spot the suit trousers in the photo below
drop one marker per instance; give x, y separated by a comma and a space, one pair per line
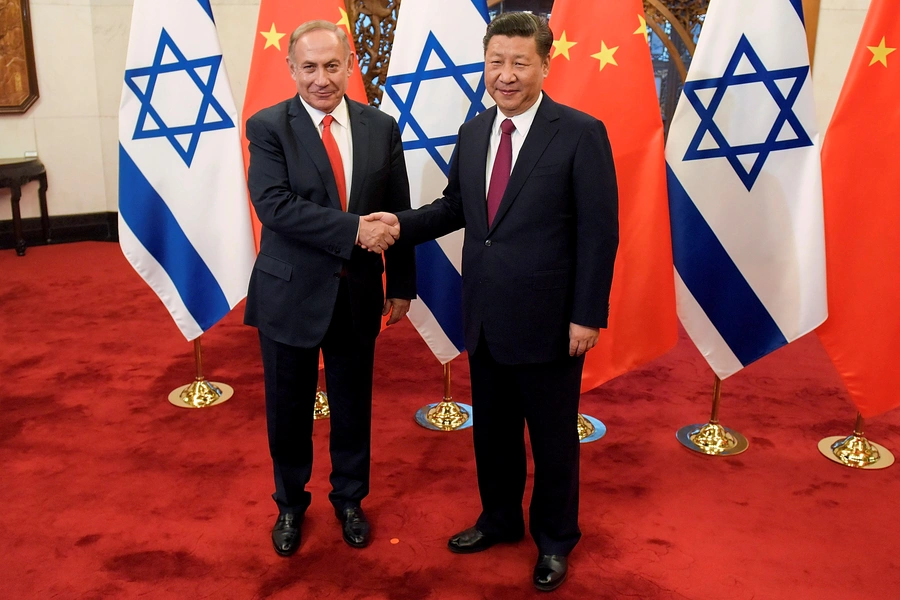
545, 397
291, 375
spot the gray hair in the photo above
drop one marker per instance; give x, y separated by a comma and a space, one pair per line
316, 25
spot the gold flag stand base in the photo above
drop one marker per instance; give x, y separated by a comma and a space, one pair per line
445, 415
201, 393
711, 438
590, 429
855, 450
321, 409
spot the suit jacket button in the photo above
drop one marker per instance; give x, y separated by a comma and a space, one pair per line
337, 275
487, 243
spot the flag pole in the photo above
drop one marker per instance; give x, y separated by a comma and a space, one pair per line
445, 415
321, 410
201, 393
712, 439
855, 450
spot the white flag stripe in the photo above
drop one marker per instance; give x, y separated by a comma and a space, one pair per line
430, 330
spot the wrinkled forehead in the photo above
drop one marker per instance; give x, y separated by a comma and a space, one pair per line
319, 46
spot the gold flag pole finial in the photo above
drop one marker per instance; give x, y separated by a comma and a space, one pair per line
712, 439
200, 393
445, 415
855, 450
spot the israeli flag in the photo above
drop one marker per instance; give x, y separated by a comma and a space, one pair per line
184, 220
745, 186
435, 83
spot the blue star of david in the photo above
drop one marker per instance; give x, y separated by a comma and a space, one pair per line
415, 79
150, 123
786, 113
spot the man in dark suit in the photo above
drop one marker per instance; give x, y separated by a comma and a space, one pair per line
318, 161
540, 243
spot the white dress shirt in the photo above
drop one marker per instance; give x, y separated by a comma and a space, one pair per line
340, 129
523, 124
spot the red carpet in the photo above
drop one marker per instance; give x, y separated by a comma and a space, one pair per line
108, 491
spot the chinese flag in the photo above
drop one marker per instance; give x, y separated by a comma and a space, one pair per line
601, 65
862, 217
270, 80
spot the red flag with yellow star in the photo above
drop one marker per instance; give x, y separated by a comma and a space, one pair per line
601, 65
270, 81
861, 186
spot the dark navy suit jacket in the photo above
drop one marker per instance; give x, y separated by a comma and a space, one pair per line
547, 259
308, 242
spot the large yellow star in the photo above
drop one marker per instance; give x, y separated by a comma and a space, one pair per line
880, 53
561, 47
345, 20
273, 38
642, 30
605, 56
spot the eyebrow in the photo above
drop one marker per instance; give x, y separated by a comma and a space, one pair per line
495, 53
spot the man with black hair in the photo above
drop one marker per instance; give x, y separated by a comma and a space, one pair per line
534, 185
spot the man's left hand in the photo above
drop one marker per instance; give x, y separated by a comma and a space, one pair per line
581, 339
397, 308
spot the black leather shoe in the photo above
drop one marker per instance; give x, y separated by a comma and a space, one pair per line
286, 533
355, 526
474, 540
550, 572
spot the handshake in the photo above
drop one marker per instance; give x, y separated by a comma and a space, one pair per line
378, 231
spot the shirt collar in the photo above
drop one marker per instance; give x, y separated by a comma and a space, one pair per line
522, 122
340, 113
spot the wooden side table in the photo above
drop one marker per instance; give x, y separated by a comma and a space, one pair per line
14, 173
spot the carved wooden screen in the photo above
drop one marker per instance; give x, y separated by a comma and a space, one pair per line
374, 33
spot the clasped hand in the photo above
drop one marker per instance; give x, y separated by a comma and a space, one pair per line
378, 231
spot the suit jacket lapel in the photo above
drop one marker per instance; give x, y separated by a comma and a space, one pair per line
311, 142
481, 140
543, 129
359, 133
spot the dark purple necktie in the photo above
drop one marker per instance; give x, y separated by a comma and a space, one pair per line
500, 172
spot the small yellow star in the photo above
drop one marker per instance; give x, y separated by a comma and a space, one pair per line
345, 20
605, 56
273, 38
642, 30
880, 53
561, 47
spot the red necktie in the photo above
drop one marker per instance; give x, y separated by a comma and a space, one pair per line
501, 170
334, 157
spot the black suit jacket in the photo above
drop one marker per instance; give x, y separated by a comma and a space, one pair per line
547, 259
307, 241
